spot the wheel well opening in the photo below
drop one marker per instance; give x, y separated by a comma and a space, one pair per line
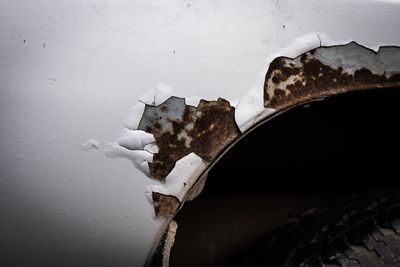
305, 157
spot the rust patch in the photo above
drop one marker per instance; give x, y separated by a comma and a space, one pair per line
164, 108
292, 81
180, 129
164, 205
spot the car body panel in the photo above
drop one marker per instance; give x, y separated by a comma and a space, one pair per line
71, 71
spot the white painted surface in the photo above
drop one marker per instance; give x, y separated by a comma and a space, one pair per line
182, 178
135, 139
71, 71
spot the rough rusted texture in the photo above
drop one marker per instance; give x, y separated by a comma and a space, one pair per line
292, 81
164, 205
180, 129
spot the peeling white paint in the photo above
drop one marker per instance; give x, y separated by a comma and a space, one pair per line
144, 167
134, 116
114, 150
139, 158
135, 139
300, 45
248, 108
137, 146
249, 111
159, 188
152, 148
182, 177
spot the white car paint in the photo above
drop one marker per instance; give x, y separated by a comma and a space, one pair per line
70, 71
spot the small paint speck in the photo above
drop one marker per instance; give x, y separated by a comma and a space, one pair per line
44, 45
24, 41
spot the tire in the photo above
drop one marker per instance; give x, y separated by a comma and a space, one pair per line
363, 232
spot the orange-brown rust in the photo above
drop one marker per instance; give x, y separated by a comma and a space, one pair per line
204, 130
289, 83
164, 205
215, 126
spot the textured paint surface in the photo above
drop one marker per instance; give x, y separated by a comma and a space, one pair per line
329, 70
180, 129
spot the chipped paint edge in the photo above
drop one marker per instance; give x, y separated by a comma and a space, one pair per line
250, 113
252, 122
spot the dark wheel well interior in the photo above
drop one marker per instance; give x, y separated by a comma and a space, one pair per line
302, 158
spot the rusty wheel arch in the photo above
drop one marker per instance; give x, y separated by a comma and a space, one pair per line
314, 87
311, 76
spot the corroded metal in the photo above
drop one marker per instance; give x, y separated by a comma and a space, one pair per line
164, 205
180, 129
326, 71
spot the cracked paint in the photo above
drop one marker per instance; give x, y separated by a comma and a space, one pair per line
326, 71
